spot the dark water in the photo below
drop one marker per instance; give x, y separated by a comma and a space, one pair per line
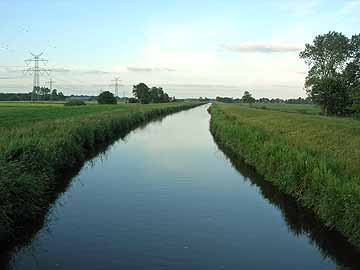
166, 197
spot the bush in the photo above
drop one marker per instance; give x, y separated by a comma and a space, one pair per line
75, 103
133, 100
106, 98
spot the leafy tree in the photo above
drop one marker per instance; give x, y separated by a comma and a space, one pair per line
54, 95
107, 98
332, 61
61, 96
142, 93
247, 98
146, 95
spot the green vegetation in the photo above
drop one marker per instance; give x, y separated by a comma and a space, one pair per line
291, 108
247, 98
106, 98
75, 103
316, 159
333, 80
38, 143
146, 95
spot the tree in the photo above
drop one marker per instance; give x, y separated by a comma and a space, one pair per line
142, 93
54, 95
247, 98
146, 95
107, 98
327, 58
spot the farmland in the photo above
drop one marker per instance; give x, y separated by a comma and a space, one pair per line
314, 158
291, 108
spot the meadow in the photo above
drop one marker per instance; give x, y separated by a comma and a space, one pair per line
39, 142
314, 158
291, 108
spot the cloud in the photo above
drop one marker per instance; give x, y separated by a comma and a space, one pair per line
96, 72
263, 48
60, 70
145, 69
10, 78
350, 7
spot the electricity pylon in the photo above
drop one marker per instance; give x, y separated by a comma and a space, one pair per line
116, 81
36, 70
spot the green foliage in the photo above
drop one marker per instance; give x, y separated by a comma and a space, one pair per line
142, 93
150, 95
106, 98
132, 100
315, 159
291, 108
75, 103
334, 71
247, 98
39, 142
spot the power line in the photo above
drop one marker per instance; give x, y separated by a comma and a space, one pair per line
36, 70
116, 84
51, 82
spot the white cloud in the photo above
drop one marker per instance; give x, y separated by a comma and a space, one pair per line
263, 47
148, 69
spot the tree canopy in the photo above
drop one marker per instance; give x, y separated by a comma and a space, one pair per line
106, 98
247, 98
144, 94
334, 77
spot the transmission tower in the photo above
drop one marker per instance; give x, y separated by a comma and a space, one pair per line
51, 82
116, 81
36, 70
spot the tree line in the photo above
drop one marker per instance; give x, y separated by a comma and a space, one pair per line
249, 99
42, 93
333, 80
144, 94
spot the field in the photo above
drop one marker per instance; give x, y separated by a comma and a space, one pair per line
39, 142
314, 158
291, 108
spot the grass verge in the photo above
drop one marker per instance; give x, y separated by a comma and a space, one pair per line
315, 159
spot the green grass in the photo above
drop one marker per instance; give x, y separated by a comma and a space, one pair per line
316, 159
39, 142
291, 108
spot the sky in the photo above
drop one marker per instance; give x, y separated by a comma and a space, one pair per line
190, 48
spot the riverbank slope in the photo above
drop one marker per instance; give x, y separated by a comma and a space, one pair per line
38, 143
315, 159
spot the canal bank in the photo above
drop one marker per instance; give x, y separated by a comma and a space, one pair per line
167, 197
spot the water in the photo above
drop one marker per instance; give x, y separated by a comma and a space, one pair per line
166, 197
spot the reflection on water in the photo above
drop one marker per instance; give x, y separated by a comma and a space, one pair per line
166, 197
301, 221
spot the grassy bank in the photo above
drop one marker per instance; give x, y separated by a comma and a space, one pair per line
316, 159
39, 143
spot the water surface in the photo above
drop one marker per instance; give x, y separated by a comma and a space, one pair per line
166, 197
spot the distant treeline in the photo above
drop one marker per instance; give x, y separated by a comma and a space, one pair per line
43, 93
249, 99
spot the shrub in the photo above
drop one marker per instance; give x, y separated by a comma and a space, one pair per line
75, 103
106, 98
133, 100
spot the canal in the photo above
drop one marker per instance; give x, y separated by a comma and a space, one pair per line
167, 197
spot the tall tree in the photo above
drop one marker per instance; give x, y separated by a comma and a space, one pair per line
247, 98
142, 93
327, 57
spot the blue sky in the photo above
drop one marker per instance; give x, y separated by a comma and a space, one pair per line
191, 48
